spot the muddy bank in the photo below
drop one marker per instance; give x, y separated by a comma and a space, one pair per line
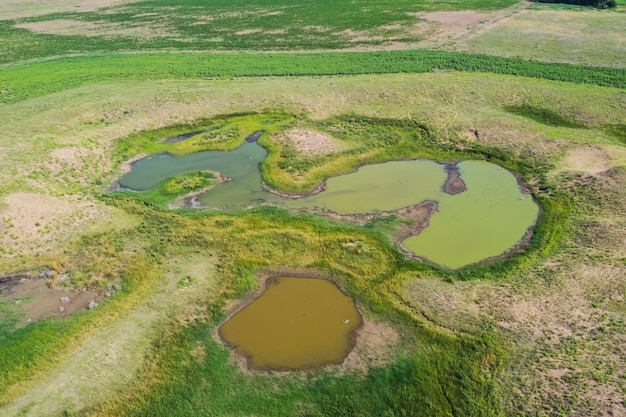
294, 323
254, 136
183, 137
9, 284
34, 298
523, 186
454, 183
413, 218
371, 345
294, 196
125, 168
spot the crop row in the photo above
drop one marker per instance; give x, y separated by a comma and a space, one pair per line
31, 80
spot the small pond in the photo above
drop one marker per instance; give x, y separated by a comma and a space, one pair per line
488, 218
296, 323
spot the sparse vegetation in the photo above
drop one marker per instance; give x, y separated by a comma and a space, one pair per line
86, 86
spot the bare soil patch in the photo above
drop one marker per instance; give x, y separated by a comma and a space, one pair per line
36, 299
182, 138
248, 32
101, 28
310, 142
593, 159
413, 220
374, 346
357, 36
454, 183
448, 28
374, 342
467, 17
34, 223
471, 135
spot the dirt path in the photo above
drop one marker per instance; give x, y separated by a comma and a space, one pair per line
453, 28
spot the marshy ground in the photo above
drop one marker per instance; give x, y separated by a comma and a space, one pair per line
541, 333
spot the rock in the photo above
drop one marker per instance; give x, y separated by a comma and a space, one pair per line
107, 294
47, 273
92, 305
117, 287
61, 309
64, 299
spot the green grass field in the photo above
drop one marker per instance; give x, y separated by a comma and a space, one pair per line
86, 86
220, 25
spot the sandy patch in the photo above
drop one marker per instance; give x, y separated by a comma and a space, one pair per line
320, 29
32, 223
470, 135
451, 27
276, 32
558, 373
310, 142
70, 27
241, 14
74, 164
463, 18
374, 345
248, 32
593, 159
356, 36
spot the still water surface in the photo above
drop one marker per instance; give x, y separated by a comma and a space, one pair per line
488, 218
296, 323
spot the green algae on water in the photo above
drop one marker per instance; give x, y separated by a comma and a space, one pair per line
491, 216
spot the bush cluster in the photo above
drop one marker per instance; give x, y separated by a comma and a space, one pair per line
601, 4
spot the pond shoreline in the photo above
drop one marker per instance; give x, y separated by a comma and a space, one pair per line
266, 279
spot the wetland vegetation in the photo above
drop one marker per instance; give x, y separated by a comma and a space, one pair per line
389, 145
487, 219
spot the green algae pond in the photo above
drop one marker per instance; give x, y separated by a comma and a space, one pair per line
489, 217
296, 323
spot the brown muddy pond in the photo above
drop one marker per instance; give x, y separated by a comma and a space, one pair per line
296, 323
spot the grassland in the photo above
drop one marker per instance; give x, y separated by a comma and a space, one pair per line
539, 334
557, 36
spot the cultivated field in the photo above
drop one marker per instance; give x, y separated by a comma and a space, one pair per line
88, 86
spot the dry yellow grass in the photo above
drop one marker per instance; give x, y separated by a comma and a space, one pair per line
589, 37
